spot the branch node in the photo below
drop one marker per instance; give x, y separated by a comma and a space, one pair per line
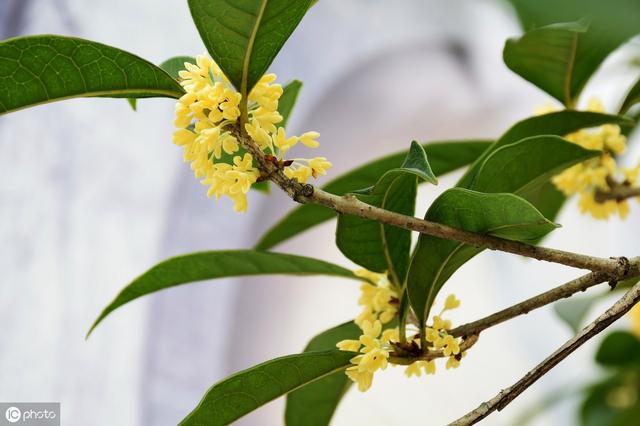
302, 191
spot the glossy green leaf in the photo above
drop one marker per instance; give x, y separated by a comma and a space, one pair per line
547, 57
40, 69
610, 24
547, 199
632, 98
288, 100
612, 401
315, 403
435, 260
618, 349
247, 390
502, 171
444, 157
556, 123
574, 310
518, 168
173, 66
219, 264
244, 36
378, 247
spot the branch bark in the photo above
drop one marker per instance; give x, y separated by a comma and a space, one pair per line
561, 292
617, 192
616, 268
505, 396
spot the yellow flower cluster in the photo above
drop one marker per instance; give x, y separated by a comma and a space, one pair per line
376, 299
207, 118
374, 346
437, 335
595, 174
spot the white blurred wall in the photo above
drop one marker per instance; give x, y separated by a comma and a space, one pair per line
92, 194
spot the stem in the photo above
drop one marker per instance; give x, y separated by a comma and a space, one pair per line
618, 192
617, 268
505, 396
561, 292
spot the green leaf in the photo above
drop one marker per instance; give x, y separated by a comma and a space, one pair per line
324, 394
173, 66
619, 348
219, 264
518, 168
502, 171
288, 100
244, 36
247, 390
444, 157
435, 260
611, 23
40, 69
556, 123
632, 98
612, 402
547, 199
380, 247
547, 57
574, 310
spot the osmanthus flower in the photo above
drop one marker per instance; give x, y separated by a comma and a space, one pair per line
376, 300
587, 178
375, 345
207, 116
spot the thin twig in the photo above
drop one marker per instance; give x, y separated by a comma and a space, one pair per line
505, 396
561, 292
617, 192
348, 204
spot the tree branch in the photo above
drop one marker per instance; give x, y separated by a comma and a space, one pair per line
505, 396
616, 268
561, 292
617, 192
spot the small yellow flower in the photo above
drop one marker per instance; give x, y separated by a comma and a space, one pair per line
284, 143
431, 334
371, 329
390, 335
414, 369
349, 345
319, 165
451, 302
375, 299
362, 378
452, 362
441, 324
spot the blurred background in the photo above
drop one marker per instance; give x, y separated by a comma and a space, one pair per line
92, 194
